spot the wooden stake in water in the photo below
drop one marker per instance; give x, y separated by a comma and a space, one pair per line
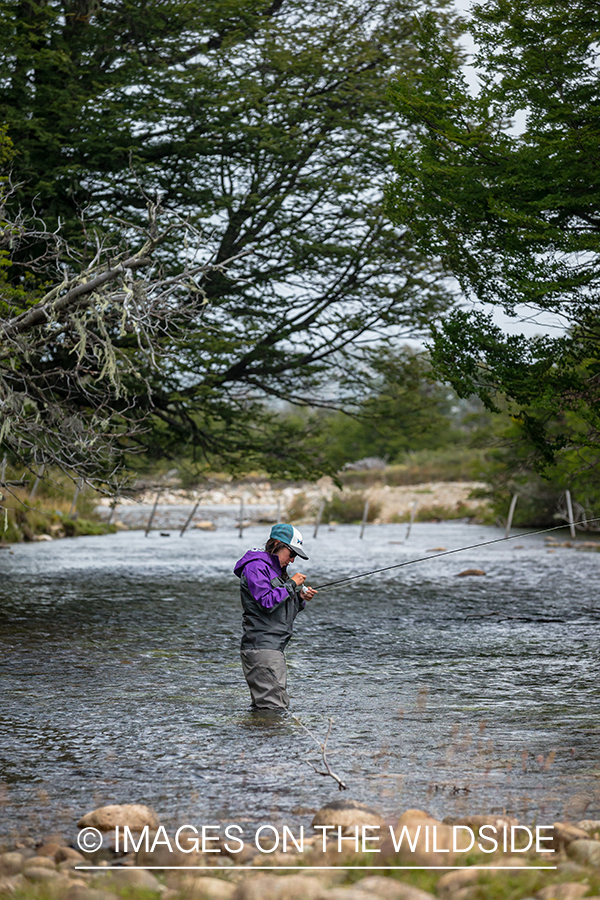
364, 519
511, 513
76, 493
150, 520
242, 517
570, 513
190, 517
413, 513
319, 517
3, 470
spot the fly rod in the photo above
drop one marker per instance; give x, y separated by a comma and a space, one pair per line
411, 562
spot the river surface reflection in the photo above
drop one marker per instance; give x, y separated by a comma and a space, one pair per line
121, 680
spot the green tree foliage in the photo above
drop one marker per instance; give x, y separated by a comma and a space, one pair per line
402, 409
5, 146
513, 210
262, 126
508, 469
6, 152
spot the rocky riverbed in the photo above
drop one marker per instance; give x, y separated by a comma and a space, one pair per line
349, 852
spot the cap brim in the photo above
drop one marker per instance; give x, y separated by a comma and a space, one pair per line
297, 552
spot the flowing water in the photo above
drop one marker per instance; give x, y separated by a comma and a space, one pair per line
121, 680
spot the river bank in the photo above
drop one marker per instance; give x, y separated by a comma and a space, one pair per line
347, 852
260, 501
38, 519
223, 503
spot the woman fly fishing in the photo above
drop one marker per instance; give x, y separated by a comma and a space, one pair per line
271, 600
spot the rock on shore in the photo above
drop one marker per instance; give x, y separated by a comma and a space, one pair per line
105, 818
48, 871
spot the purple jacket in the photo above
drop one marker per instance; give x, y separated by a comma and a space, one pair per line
260, 569
270, 601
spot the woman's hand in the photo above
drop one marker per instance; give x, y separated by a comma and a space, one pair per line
308, 593
298, 578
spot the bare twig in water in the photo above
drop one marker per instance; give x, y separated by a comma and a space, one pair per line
329, 773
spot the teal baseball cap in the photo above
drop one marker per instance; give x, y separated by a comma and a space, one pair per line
289, 536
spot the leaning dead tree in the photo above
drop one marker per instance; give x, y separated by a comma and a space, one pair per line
80, 355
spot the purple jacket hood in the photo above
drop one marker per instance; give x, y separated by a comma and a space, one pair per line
272, 561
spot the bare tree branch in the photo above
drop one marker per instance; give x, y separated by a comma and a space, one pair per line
77, 366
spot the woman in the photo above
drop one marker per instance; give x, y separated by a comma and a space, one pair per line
271, 600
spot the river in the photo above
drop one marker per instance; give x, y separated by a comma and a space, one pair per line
122, 683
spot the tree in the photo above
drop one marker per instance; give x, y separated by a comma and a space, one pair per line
5, 146
401, 409
80, 362
542, 501
69, 355
513, 212
258, 124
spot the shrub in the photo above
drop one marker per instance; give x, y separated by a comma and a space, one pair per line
348, 508
450, 464
298, 508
